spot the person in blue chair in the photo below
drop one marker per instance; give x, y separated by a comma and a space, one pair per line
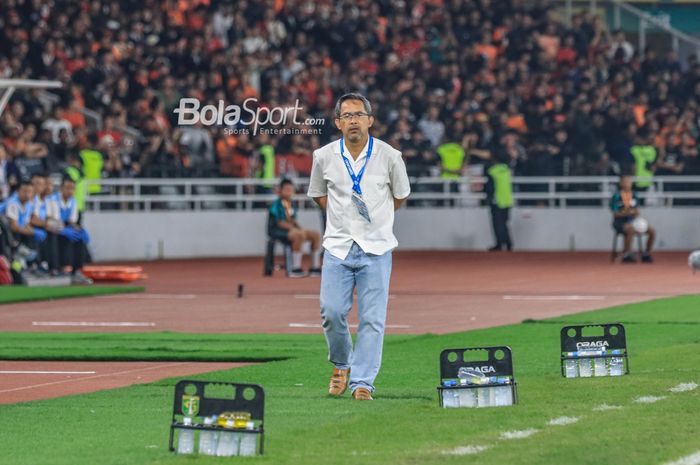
62, 219
284, 226
626, 221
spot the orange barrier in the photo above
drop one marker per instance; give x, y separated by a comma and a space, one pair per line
124, 274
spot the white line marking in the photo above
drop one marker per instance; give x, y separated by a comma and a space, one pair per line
30, 372
554, 297
466, 450
93, 323
684, 387
149, 296
318, 325
561, 421
156, 367
692, 459
648, 399
526, 433
606, 407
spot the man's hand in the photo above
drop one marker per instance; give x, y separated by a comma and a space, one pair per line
321, 202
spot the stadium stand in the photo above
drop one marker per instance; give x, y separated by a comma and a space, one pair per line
461, 72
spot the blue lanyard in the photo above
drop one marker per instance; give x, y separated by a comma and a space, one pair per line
356, 178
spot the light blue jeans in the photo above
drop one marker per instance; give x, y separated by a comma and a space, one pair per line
370, 274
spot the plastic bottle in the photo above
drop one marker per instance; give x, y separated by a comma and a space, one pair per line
503, 394
467, 398
468, 375
208, 439
185, 439
570, 370
249, 441
450, 398
228, 441
600, 367
616, 365
484, 397
584, 365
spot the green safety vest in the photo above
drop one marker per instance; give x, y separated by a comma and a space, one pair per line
502, 186
77, 176
452, 158
268, 168
644, 156
92, 167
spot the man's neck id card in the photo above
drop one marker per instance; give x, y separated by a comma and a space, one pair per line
361, 206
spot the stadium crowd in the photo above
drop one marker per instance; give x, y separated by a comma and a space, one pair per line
448, 78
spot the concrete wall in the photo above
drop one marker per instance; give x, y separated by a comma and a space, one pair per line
144, 236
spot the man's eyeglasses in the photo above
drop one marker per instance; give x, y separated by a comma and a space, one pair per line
350, 116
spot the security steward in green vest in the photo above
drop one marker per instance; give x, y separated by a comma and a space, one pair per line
644, 154
499, 195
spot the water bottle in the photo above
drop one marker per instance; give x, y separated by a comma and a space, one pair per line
185, 440
503, 393
484, 397
599, 367
249, 441
450, 398
467, 398
208, 439
468, 375
228, 441
616, 366
584, 366
570, 368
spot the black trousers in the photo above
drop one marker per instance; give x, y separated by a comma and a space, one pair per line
499, 220
69, 253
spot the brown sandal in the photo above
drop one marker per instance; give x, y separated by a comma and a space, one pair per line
339, 382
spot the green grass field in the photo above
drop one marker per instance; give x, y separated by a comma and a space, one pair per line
404, 424
13, 294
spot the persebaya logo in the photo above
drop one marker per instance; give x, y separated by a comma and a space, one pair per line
190, 405
247, 115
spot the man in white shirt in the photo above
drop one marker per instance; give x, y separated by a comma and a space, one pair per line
359, 181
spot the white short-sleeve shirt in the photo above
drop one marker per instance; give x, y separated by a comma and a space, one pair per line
384, 179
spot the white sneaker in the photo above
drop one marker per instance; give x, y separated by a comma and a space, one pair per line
79, 278
297, 273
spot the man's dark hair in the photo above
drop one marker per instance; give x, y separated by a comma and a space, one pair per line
284, 182
66, 179
24, 182
40, 174
353, 96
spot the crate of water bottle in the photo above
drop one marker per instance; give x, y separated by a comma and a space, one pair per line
220, 436
217, 419
477, 377
594, 350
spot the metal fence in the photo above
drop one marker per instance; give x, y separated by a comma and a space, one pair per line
208, 194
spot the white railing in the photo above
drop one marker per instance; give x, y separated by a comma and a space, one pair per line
184, 194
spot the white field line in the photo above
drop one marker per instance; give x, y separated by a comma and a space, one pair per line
648, 399
125, 372
94, 323
518, 434
466, 450
692, 459
554, 297
606, 407
36, 372
561, 421
148, 296
684, 387
318, 325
